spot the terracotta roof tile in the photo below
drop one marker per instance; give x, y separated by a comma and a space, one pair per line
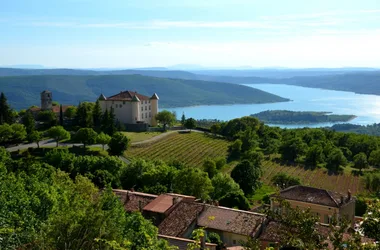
180, 219
127, 96
231, 220
161, 204
315, 196
131, 200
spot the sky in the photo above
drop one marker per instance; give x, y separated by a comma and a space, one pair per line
212, 33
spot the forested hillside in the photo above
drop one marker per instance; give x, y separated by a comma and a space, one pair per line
24, 91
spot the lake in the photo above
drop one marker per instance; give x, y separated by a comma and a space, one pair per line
365, 107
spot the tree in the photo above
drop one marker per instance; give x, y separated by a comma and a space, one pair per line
118, 144
315, 155
215, 128
335, 160
103, 139
193, 181
291, 149
283, 180
166, 118
190, 123
18, 132
28, 121
71, 112
209, 167
97, 114
371, 222
183, 119
108, 123
48, 117
374, 158
5, 110
6, 133
58, 133
60, 115
247, 175
84, 115
86, 136
235, 149
297, 227
360, 161
35, 136
235, 199
223, 184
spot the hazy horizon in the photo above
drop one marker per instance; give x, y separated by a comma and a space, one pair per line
85, 34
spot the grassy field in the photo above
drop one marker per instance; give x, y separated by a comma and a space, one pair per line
140, 136
191, 148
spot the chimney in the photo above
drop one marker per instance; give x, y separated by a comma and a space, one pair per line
348, 195
175, 200
203, 242
140, 206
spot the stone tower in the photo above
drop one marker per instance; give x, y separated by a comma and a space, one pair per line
46, 100
135, 109
154, 104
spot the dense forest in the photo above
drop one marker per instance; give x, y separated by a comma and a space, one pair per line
299, 117
24, 91
372, 129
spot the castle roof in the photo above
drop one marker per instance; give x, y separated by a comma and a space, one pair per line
127, 96
135, 99
102, 97
45, 91
154, 97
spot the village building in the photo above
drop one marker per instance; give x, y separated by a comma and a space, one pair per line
47, 104
176, 216
327, 205
131, 107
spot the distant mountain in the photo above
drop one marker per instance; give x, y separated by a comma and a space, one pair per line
24, 91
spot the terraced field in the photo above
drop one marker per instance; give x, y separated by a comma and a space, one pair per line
191, 148
316, 178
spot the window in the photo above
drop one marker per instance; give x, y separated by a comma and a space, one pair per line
327, 219
142, 108
145, 108
142, 116
112, 102
146, 115
146, 102
234, 242
149, 107
150, 114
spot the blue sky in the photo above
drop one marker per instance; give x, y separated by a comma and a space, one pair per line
223, 33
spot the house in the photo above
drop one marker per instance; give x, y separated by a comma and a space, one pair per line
47, 104
131, 107
182, 243
176, 216
325, 204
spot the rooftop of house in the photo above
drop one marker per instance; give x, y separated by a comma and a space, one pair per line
180, 218
128, 96
181, 243
134, 201
316, 196
165, 201
55, 109
230, 220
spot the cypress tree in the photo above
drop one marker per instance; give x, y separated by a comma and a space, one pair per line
28, 121
112, 122
96, 115
60, 115
5, 110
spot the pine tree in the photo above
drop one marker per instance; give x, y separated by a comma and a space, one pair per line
5, 111
183, 119
112, 122
96, 115
84, 116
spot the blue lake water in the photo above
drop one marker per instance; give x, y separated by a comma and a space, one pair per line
365, 107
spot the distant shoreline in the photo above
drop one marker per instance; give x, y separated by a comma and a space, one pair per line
286, 117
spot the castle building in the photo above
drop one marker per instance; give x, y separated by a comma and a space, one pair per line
131, 107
